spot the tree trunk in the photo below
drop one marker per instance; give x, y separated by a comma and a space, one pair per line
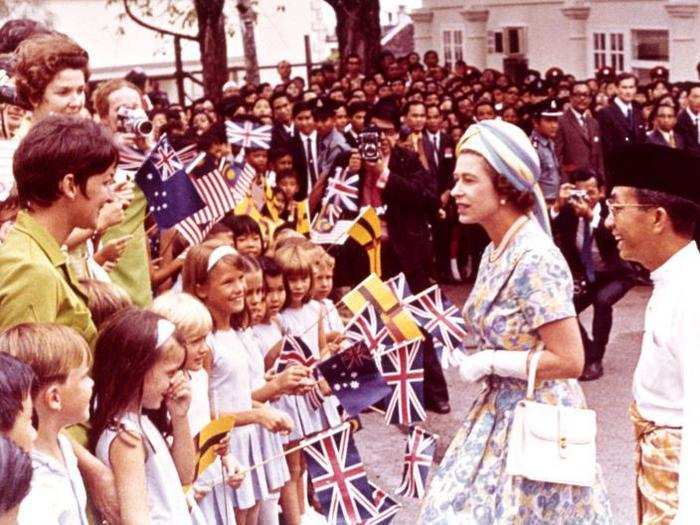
212, 46
358, 30
247, 15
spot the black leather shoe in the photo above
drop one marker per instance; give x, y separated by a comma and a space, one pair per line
439, 407
592, 371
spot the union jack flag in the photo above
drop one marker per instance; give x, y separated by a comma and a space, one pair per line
294, 350
339, 479
442, 320
218, 199
367, 327
131, 159
342, 193
386, 507
420, 449
248, 134
400, 287
402, 369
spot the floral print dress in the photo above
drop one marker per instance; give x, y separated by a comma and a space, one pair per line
526, 286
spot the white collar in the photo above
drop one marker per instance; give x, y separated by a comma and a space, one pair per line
677, 265
624, 107
578, 115
692, 115
433, 136
305, 138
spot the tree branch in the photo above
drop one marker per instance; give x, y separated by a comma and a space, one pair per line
152, 27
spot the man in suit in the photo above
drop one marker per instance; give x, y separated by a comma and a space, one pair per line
601, 277
688, 126
577, 142
621, 122
356, 111
440, 149
304, 147
283, 127
401, 184
664, 117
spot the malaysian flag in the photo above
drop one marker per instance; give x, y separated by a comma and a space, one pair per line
339, 479
420, 449
240, 177
249, 134
367, 327
294, 350
342, 194
402, 369
443, 321
170, 192
386, 507
218, 199
354, 378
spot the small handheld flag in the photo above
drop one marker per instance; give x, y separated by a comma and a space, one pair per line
249, 134
366, 231
420, 449
207, 439
402, 369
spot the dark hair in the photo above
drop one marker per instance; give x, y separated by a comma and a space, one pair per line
269, 267
582, 175
16, 378
14, 32
277, 153
385, 109
16, 468
55, 147
40, 58
661, 104
300, 106
356, 107
215, 134
276, 96
411, 103
242, 225
287, 174
626, 76
138, 77
683, 213
124, 353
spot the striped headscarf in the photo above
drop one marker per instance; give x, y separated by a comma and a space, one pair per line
509, 151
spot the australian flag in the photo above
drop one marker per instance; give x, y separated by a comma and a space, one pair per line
442, 320
354, 378
339, 479
170, 192
420, 449
402, 369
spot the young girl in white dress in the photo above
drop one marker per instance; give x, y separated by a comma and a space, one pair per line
138, 365
214, 272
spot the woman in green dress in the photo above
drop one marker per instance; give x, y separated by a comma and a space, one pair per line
521, 301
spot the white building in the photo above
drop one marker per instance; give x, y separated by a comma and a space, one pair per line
578, 35
117, 44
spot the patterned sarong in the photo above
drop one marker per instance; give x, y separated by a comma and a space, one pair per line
657, 459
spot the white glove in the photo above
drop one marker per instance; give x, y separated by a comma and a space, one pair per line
500, 362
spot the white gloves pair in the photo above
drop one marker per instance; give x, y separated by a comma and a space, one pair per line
499, 362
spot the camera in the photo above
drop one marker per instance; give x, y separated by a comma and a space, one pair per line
134, 121
8, 93
368, 144
578, 195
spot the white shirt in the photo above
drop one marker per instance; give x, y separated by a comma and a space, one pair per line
57, 494
666, 386
626, 108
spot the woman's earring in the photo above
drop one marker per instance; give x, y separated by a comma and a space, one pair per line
503, 202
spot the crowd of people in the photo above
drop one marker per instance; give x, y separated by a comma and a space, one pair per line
122, 340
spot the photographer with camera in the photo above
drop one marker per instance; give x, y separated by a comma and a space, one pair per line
393, 177
601, 278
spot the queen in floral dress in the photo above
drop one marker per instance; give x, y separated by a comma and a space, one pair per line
521, 301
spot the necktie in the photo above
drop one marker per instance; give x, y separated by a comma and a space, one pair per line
630, 118
436, 156
697, 127
672, 139
310, 161
582, 121
587, 251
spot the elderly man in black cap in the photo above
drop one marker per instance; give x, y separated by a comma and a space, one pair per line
653, 211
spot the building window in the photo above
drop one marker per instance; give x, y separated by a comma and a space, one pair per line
452, 48
650, 45
495, 41
609, 50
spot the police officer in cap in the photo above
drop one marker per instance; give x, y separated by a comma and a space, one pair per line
605, 74
553, 76
537, 92
545, 125
659, 73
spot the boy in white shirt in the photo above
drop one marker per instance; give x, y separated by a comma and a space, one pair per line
60, 359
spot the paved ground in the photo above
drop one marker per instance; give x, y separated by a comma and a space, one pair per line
381, 447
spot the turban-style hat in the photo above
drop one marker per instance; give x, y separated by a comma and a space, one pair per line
509, 151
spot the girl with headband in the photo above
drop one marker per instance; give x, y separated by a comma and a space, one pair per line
522, 300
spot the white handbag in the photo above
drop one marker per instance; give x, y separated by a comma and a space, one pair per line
551, 443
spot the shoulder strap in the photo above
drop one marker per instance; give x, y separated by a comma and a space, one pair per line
532, 372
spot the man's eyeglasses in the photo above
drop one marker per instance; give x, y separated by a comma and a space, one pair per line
580, 95
615, 208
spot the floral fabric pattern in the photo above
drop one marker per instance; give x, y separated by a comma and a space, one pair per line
528, 286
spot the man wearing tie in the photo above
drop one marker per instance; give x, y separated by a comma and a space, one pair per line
304, 147
283, 128
664, 117
688, 125
621, 122
577, 142
601, 277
